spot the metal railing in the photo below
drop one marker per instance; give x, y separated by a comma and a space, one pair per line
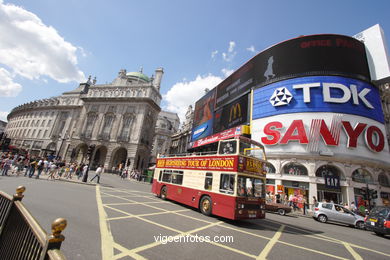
21, 236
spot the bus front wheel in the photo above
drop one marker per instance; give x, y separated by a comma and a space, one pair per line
206, 205
163, 193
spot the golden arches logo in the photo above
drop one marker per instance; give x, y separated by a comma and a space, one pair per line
235, 112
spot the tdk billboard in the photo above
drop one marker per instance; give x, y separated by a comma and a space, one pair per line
318, 94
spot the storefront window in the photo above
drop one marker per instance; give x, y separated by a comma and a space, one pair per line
269, 168
294, 169
383, 180
362, 175
329, 170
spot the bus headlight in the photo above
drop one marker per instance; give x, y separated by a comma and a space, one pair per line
240, 206
240, 212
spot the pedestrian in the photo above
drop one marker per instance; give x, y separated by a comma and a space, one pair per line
52, 171
353, 207
99, 170
40, 166
84, 173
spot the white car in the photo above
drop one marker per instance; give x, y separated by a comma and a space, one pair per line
324, 212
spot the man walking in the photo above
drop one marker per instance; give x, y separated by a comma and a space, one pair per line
99, 170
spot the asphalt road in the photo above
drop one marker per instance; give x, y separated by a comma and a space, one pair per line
121, 219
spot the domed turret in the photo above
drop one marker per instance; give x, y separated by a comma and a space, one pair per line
138, 76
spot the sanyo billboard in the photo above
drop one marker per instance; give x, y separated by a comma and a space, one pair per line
323, 114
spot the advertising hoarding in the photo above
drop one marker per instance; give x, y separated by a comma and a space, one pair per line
318, 94
234, 114
203, 116
328, 134
326, 54
227, 134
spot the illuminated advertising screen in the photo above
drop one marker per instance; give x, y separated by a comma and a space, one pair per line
313, 55
323, 115
203, 116
234, 114
318, 94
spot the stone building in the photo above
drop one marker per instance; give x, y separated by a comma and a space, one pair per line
167, 125
182, 139
116, 118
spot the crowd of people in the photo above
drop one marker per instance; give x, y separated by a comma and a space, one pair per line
297, 202
14, 164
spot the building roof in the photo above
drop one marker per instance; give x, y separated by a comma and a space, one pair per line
138, 75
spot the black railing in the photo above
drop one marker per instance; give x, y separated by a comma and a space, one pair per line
21, 237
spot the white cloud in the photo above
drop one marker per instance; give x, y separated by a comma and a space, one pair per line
213, 54
231, 46
251, 49
183, 94
31, 49
8, 88
229, 56
3, 116
226, 72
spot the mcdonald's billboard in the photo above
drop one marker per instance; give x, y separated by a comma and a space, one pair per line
234, 114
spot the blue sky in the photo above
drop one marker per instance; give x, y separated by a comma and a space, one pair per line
48, 47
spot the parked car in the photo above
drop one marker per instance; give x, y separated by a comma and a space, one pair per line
324, 212
281, 209
379, 220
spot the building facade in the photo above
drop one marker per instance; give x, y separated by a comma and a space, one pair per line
181, 140
118, 119
167, 125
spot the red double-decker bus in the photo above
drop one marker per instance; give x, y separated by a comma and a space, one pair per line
229, 183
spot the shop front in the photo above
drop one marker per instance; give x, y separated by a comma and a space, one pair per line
385, 196
296, 192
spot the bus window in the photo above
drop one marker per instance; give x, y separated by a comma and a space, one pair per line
228, 147
208, 182
250, 187
177, 177
227, 183
159, 177
167, 176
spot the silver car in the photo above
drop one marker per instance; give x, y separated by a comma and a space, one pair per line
324, 212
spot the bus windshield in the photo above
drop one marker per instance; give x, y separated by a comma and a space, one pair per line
250, 187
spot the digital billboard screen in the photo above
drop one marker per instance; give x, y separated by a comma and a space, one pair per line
234, 114
203, 116
326, 54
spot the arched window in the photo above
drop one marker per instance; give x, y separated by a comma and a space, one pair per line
294, 169
269, 168
90, 124
383, 180
126, 127
362, 175
329, 170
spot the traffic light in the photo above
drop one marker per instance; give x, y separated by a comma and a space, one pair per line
373, 194
90, 150
363, 192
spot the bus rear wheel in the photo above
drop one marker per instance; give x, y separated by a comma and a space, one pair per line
163, 193
206, 205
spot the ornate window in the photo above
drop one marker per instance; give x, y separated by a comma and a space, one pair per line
126, 127
90, 124
362, 175
107, 125
329, 170
383, 180
269, 168
294, 169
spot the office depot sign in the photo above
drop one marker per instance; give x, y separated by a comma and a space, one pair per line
324, 133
